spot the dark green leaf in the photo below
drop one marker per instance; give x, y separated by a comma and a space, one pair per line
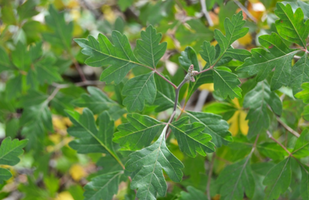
278, 179
191, 138
5, 62
291, 26
149, 50
103, 187
304, 184
139, 132
301, 148
5, 174
27, 9
165, 94
188, 57
138, 90
21, 57
214, 125
145, 168
257, 100
192, 194
272, 150
124, 4
300, 74
235, 180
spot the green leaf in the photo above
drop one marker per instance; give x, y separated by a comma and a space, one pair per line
102, 52
149, 50
262, 62
300, 74
138, 90
62, 32
304, 184
226, 83
272, 150
208, 53
27, 9
165, 94
278, 179
191, 138
21, 57
192, 194
214, 125
291, 26
98, 102
234, 30
139, 132
46, 73
5, 62
103, 186
235, 180
32, 98
304, 94
226, 110
257, 100
145, 168
13, 86
188, 57
9, 152
124, 4
90, 139
301, 148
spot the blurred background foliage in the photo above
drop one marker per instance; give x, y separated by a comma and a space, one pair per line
49, 168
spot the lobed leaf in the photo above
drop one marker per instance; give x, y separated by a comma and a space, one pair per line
291, 26
191, 138
278, 179
165, 94
138, 90
145, 168
139, 132
301, 148
192, 194
300, 74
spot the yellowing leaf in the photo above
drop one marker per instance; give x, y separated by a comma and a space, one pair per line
207, 86
55, 138
109, 14
59, 123
246, 40
64, 196
73, 4
243, 122
238, 122
77, 172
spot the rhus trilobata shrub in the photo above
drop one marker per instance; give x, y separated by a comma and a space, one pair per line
249, 141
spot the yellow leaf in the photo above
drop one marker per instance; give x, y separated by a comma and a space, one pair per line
207, 86
77, 172
59, 123
64, 196
55, 138
238, 121
73, 4
246, 40
109, 14
234, 124
243, 122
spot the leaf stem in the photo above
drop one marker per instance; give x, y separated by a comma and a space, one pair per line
209, 175
288, 128
271, 137
172, 84
79, 70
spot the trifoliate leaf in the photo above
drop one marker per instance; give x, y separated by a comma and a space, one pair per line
9, 152
138, 90
226, 83
300, 74
278, 179
192, 194
89, 138
165, 94
214, 125
62, 32
237, 179
301, 148
103, 187
291, 26
145, 168
262, 62
98, 102
191, 138
138, 133
257, 100
149, 50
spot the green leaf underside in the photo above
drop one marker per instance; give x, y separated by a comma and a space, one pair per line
262, 62
304, 184
235, 180
89, 138
291, 26
257, 100
9, 152
138, 133
119, 55
62, 32
138, 90
145, 168
103, 187
300, 74
278, 179
98, 102
214, 125
191, 138
149, 50
301, 148
192, 194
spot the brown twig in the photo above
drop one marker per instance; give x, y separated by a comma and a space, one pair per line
288, 128
209, 175
204, 11
271, 137
79, 70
